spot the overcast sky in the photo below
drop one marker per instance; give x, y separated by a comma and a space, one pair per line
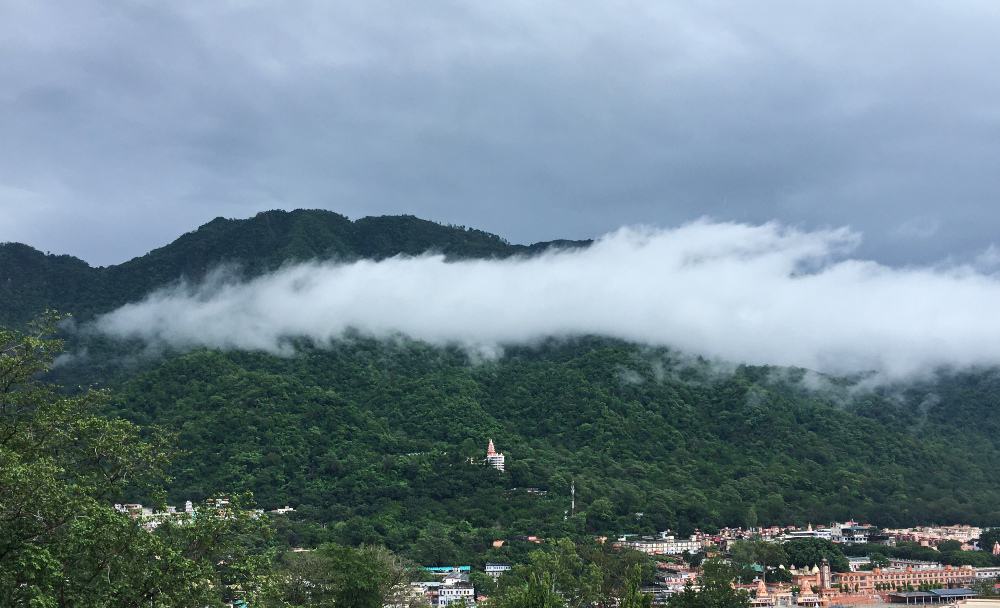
124, 124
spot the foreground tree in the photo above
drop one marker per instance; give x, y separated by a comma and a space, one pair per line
564, 574
346, 577
715, 589
61, 541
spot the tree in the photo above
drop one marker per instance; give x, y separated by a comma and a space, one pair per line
600, 514
811, 551
538, 591
333, 575
632, 596
985, 587
988, 538
578, 582
948, 546
61, 541
715, 589
749, 552
586, 576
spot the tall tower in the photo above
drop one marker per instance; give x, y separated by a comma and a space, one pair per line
572, 497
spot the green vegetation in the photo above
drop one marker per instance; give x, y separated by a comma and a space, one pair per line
371, 442
715, 590
61, 542
563, 574
332, 575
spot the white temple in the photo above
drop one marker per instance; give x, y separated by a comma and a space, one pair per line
494, 458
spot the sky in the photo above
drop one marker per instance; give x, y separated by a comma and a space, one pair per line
125, 124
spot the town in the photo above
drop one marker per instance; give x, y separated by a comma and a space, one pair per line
870, 572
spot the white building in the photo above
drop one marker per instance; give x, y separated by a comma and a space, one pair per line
824, 533
666, 544
495, 569
494, 458
461, 592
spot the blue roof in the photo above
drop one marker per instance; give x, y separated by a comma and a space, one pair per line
447, 568
953, 592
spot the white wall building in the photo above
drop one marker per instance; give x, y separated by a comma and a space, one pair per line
495, 569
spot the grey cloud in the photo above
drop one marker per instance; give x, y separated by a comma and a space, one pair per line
131, 122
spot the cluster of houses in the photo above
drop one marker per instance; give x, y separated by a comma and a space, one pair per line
847, 533
150, 519
815, 585
446, 585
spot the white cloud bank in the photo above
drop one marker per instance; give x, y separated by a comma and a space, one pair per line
745, 293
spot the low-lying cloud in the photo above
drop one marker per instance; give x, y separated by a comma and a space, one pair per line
746, 293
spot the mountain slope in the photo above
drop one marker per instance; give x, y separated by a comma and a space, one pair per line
372, 440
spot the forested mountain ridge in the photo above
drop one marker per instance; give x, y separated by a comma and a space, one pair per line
371, 441
31, 281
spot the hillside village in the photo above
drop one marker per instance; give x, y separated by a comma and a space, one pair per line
863, 580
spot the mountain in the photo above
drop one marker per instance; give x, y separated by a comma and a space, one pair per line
31, 281
382, 441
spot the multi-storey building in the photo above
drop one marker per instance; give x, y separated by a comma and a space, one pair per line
908, 578
666, 544
495, 569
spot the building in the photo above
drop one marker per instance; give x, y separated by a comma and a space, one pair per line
454, 587
495, 569
932, 536
988, 572
761, 598
824, 533
666, 544
902, 579
459, 592
934, 596
675, 580
494, 458
852, 533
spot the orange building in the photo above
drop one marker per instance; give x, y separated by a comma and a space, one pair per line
891, 580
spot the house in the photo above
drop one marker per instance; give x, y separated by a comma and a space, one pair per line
495, 569
453, 587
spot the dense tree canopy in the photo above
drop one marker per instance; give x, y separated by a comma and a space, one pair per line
371, 443
61, 542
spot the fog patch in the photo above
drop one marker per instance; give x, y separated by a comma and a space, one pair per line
757, 294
